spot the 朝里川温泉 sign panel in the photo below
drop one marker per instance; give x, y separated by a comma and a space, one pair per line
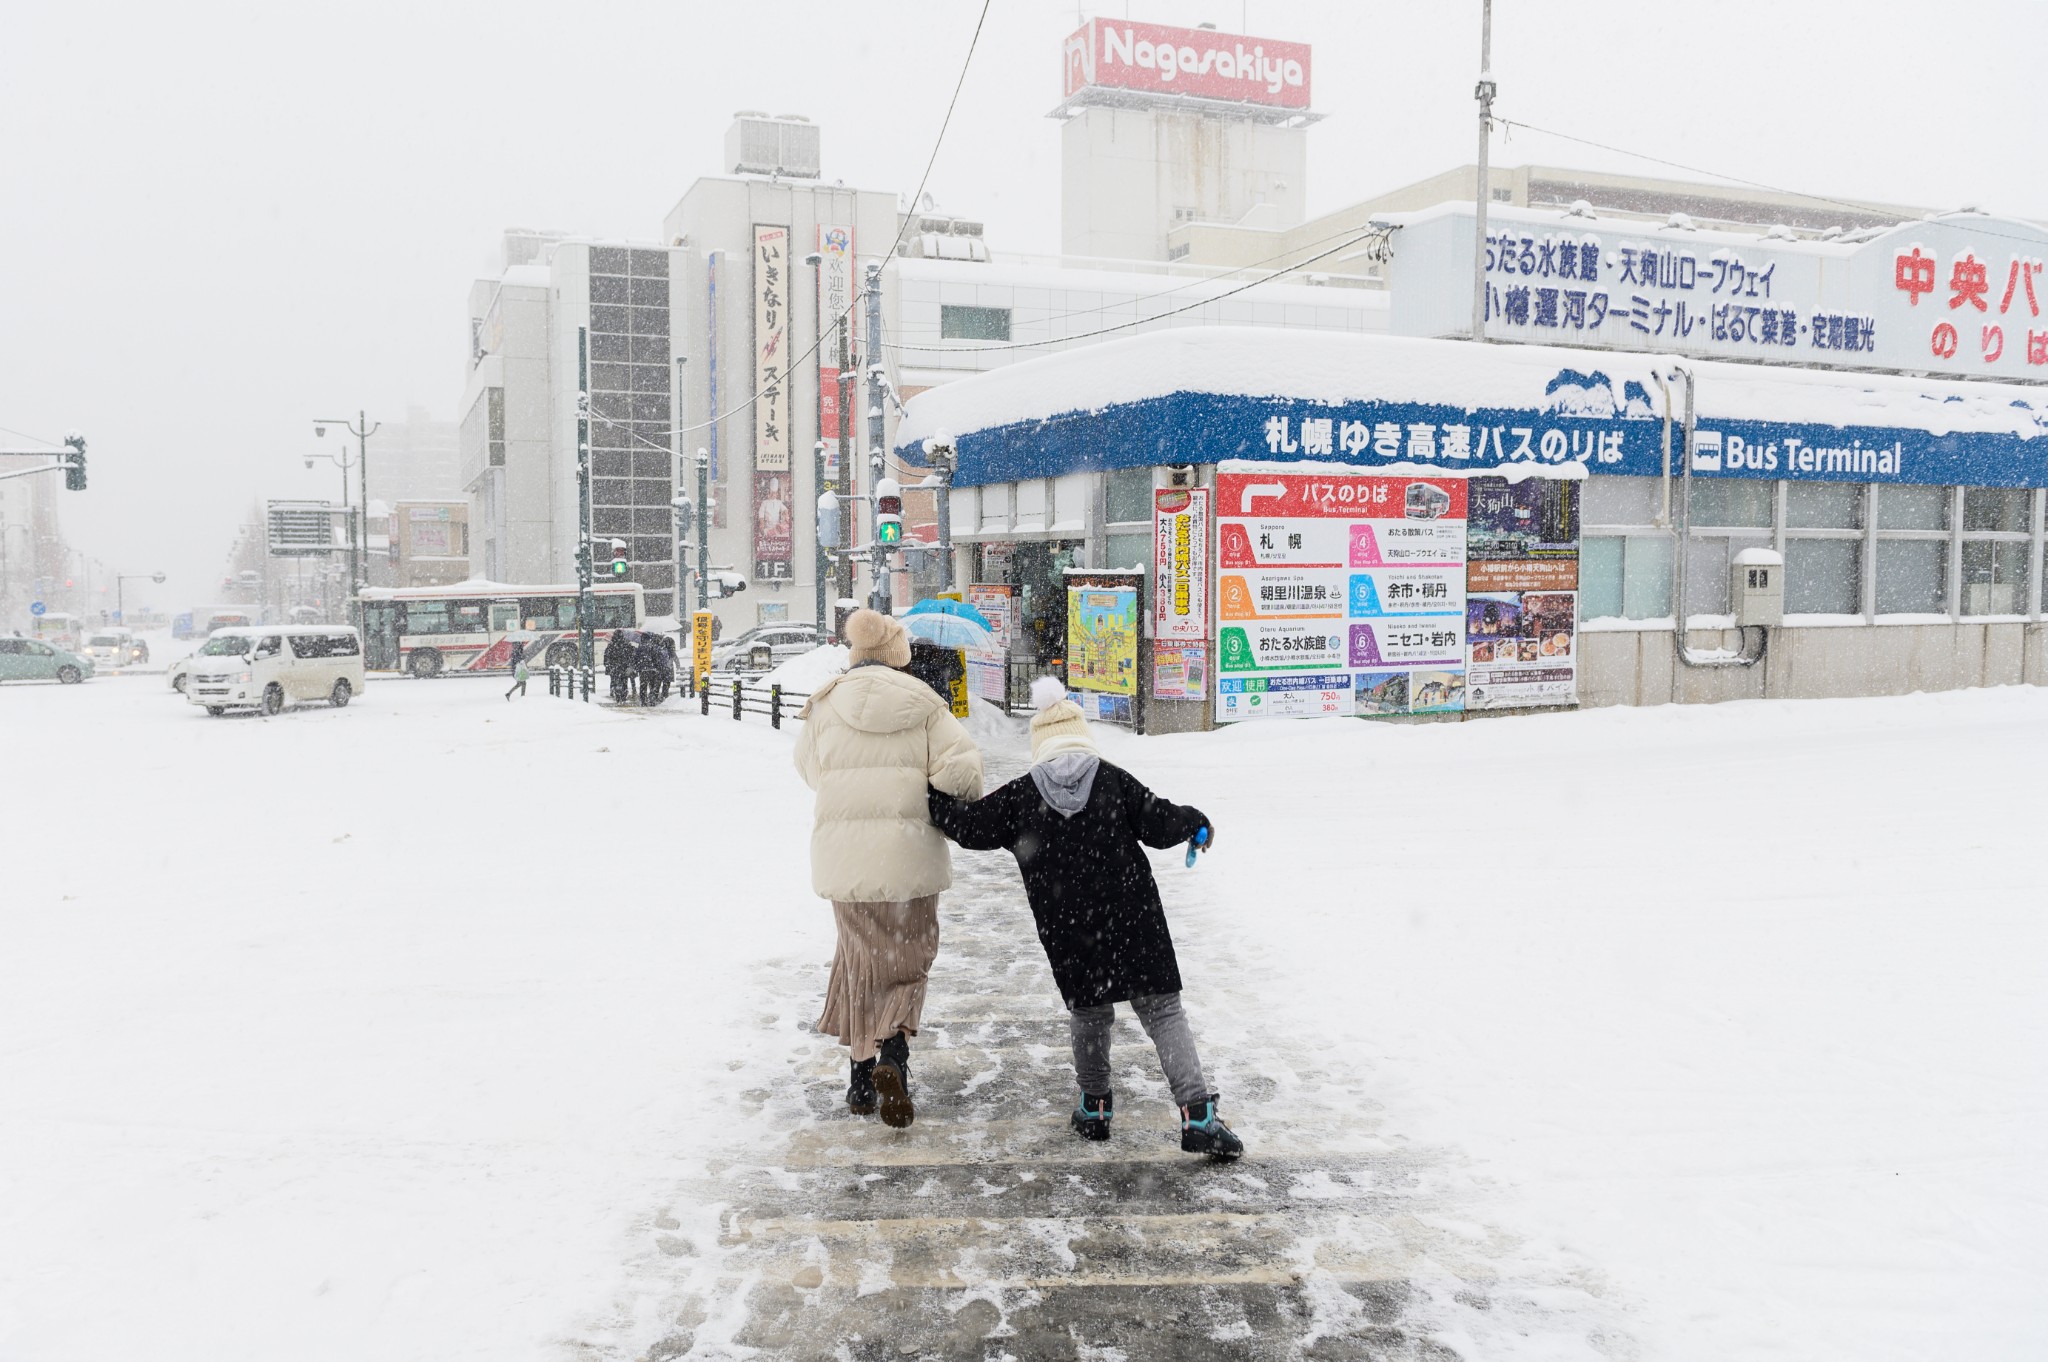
1155, 59
771, 349
1339, 593
1962, 294
1521, 592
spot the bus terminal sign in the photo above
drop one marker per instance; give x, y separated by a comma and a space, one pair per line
1963, 294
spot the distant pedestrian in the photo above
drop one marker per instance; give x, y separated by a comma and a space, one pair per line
935, 666
618, 663
874, 740
656, 666
518, 668
1077, 826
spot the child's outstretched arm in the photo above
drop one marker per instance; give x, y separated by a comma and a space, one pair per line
979, 825
1159, 822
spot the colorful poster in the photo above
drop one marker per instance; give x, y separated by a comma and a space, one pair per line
1179, 671
774, 534
1102, 639
1180, 564
771, 349
1339, 593
835, 302
1521, 628
987, 671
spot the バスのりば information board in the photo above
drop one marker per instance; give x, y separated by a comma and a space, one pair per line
1339, 594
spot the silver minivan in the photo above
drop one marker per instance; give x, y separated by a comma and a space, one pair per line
266, 667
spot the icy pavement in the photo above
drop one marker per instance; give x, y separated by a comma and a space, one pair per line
990, 1230
447, 1028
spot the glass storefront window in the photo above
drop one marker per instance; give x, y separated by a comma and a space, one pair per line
2006, 509
1128, 550
1995, 576
1912, 574
1625, 577
1824, 506
1613, 500
1823, 576
1911, 508
1129, 494
1747, 503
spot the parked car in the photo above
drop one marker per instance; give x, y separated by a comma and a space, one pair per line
783, 642
31, 659
266, 667
115, 647
175, 674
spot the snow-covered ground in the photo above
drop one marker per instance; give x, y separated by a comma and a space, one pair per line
375, 1032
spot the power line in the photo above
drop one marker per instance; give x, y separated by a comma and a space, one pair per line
1878, 210
26, 436
1366, 235
916, 198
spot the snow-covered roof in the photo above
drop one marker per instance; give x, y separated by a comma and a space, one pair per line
1204, 395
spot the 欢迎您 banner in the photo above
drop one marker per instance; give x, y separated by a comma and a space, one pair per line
1102, 639
1521, 593
1180, 564
1339, 594
771, 349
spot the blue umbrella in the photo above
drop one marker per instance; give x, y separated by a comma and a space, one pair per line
950, 624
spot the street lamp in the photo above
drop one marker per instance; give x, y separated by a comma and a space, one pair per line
120, 581
362, 429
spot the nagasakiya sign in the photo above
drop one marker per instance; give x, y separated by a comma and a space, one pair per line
1962, 294
1381, 401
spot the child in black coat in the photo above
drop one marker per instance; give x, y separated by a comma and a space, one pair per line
1075, 823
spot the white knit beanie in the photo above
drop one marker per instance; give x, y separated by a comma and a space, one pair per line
1059, 725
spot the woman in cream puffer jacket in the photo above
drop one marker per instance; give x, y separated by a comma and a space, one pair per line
874, 741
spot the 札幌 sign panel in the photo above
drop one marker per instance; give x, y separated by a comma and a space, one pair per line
771, 349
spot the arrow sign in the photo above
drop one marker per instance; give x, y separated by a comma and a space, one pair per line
1257, 489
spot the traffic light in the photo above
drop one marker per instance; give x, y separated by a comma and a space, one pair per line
828, 520
618, 557
888, 513
74, 469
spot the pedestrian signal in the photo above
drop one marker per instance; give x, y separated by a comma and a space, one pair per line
888, 513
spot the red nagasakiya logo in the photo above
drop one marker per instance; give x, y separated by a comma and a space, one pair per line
1187, 61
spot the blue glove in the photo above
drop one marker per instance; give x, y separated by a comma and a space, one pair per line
1198, 842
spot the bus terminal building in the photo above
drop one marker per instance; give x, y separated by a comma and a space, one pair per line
1300, 523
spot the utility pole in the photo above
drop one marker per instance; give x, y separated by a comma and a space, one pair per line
1484, 93
703, 529
848, 474
586, 643
877, 435
677, 500
816, 260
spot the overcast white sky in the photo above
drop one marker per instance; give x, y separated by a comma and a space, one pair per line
220, 220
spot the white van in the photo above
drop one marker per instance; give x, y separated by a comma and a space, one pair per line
267, 666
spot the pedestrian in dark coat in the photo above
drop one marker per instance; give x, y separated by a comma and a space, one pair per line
656, 666
1078, 827
618, 663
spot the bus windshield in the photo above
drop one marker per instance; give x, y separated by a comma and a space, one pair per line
228, 645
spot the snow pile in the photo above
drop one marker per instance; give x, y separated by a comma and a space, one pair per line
806, 672
1337, 367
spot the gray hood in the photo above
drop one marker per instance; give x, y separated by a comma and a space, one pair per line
1064, 781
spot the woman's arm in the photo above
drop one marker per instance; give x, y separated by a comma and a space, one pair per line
1160, 823
954, 762
979, 825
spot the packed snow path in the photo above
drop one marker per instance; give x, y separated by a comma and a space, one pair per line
988, 1229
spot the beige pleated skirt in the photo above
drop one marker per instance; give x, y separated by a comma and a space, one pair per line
879, 970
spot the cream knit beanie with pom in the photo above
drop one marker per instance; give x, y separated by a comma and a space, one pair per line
1058, 726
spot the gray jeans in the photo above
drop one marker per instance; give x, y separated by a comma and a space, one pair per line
1161, 1016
